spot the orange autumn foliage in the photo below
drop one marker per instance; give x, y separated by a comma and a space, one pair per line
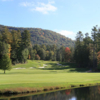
9, 49
29, 57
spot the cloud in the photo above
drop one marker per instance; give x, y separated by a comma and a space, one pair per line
45, 8
69, 34
40, 7
27, 4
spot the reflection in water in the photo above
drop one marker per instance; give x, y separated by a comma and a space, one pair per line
85, 93
74, 98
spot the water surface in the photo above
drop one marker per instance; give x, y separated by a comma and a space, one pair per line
85, 93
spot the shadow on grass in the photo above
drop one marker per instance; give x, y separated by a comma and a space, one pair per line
78, 70
65, 66
54, 66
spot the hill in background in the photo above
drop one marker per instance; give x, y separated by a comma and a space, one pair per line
47, 37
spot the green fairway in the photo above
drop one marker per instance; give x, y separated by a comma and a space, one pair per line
30, 75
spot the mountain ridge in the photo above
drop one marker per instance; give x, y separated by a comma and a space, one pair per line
44, 36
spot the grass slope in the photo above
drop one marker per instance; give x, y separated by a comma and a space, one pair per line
51, 75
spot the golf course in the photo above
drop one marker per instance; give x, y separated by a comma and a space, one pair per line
39, 74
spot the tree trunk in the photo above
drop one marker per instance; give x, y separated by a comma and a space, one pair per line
4, 71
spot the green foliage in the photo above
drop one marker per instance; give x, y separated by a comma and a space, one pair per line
3, 48
51, 54
32, 53
42, 54
25, 54
61, 54
5, 63
25, 38
82, 51
16, 39
6, 35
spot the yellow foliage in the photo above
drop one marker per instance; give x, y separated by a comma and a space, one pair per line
29, 57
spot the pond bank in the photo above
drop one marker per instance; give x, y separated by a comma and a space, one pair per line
22, 90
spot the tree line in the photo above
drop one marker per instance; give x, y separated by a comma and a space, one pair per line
16, 47
87, 49
50, 52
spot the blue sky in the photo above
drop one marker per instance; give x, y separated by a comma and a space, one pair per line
66, 17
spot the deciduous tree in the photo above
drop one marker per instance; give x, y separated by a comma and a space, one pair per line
67, 54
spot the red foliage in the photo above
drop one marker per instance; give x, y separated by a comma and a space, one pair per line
67, 49
68, 92
67, 54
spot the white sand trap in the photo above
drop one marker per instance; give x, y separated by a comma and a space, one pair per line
45, 65
19, 68
59, 64
32, 67
42, 67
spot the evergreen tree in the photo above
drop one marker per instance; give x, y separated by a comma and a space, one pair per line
5, 63
78, 49
61, 54
25, 39
6, 36
3, 48
42, 54
94, 38
15, 45
54, 48
51, 55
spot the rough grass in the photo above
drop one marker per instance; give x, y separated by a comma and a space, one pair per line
51, 76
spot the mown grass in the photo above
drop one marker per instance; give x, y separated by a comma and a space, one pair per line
52, 75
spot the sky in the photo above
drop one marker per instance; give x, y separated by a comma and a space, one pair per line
66, 17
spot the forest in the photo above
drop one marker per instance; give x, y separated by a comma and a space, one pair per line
16, 47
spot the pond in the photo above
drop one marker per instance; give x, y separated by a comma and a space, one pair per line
84, 93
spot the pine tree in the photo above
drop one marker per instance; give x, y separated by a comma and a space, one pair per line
5, 63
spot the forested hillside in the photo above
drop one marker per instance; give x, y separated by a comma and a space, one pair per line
41, 36
16, 47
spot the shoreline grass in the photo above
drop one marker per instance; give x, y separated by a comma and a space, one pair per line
50, 76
